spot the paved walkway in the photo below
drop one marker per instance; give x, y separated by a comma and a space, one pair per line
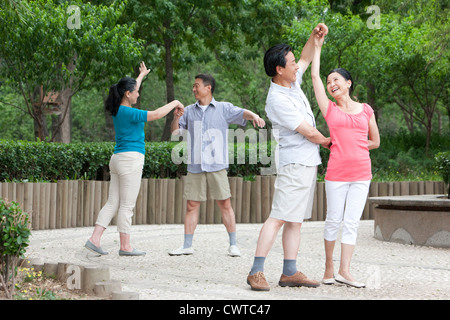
390, 270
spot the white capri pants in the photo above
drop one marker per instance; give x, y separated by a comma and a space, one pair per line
126, 174
345, 202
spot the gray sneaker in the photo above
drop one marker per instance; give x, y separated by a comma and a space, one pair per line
181, 251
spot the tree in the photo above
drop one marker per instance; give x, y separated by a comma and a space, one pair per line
63, 49
179, 32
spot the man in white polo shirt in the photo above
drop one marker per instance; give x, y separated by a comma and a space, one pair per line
298, 157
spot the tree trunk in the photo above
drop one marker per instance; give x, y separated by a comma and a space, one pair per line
62, 124
40, 125
170, 90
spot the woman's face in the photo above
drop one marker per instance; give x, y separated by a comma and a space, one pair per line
132, 96
337, 85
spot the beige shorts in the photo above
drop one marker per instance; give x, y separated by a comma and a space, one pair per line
294, 193
196, 186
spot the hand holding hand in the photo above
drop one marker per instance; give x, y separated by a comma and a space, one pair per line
319, 32
327, 144
179, 110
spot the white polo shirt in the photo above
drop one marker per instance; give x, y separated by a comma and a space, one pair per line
287, 108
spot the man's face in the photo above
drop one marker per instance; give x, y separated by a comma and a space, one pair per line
289, 72
200, 90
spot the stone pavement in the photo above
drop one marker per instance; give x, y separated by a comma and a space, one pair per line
390, 270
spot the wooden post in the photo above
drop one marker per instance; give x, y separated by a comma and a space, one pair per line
178, 201
232, 182
209, 210
93, 275
53, 206
321, 207
217, 215
151, 204
170, 210
429, 187
28, 199
246, 201
265, 197
97, 205
239, 190
36, 204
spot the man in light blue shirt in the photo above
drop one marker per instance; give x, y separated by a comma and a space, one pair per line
206, 123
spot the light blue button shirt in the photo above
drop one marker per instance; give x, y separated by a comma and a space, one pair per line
287, 108
207, 134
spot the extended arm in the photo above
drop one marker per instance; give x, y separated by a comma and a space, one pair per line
257, 121
313, 135
164, 110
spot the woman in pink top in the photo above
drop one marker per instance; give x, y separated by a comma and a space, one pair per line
353, 131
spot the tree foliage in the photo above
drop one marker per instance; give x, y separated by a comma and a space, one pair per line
398, 65
51, 53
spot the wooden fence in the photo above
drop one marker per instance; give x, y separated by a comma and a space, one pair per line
67, 204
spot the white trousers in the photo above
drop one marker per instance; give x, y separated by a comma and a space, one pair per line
126, 174
345, 203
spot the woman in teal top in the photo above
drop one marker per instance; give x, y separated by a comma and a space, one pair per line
127, 161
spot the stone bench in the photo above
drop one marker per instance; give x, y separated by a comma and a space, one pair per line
418, 220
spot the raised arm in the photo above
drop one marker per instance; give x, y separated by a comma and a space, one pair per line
308, 49
319, 89
143, 71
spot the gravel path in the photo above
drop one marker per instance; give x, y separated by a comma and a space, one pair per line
390, 270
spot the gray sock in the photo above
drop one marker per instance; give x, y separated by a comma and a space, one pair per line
289, 267
258, 265
232, 236
188, 240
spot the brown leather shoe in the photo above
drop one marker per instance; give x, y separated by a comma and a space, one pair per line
258, 282
297, 280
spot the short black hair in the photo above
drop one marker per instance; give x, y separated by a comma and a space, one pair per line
276, 56
208, 80
345, 74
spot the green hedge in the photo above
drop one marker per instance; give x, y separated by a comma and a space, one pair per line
41, 161
400, 157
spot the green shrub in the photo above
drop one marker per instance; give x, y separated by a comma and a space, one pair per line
14, 238
443, 166
400, 157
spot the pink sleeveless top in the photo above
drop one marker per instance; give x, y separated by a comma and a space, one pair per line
349, 153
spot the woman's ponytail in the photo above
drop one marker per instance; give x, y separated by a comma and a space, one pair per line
116, 92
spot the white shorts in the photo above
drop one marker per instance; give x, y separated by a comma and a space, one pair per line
294, 193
